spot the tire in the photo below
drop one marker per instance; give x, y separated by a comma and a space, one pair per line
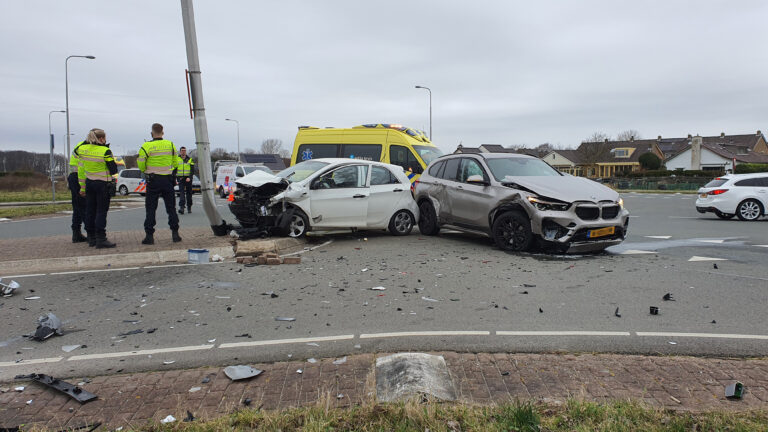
123, 190
221, 193
749, 210
512, 231
722, 215
298, 226
428, 219
401, 223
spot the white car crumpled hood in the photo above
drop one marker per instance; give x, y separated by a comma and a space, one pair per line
259, 178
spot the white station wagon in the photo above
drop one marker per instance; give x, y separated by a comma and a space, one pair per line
325, 194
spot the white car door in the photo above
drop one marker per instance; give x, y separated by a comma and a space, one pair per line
386, 193
339, 198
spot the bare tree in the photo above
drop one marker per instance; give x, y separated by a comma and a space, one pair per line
249, 150
628, 135
271, 146
597, 137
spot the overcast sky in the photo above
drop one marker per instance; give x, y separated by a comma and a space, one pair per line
504, 72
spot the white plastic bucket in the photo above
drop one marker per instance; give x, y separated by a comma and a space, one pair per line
197, 256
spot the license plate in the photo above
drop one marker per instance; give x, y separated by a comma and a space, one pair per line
703, 195
602, 232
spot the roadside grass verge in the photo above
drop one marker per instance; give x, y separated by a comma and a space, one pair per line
36, 210
513, 416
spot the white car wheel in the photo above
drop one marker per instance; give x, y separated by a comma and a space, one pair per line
749, 210
401, 223
298, 225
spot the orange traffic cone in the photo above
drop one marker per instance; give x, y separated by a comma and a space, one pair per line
231, 197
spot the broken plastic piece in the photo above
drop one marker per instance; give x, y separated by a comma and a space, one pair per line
654, 310
169, 419
429, 299
190, 417
291, 319
32, 298
617, 312
312, 360
195, 389
668, 297
70, 390
48, 325
240, 372
8, 289
69, 348
340, 361
378, 288
734, 391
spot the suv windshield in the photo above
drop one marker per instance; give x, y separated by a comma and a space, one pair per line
519, 167
428, 153
302, 170
250, 169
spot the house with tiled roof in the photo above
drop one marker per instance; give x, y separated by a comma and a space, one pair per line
568, 161
720, 153
609, 158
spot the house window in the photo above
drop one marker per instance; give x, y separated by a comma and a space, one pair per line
621, 153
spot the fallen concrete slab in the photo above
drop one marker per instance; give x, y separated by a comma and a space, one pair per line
403, 375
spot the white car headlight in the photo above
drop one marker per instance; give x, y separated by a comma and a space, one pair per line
546, 205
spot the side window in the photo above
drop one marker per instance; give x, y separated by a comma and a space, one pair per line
402, 156
470, 167
239, 172
434, 170
316, 151
451, 169
748, 182
382, 176
352, 176
371, 152
763, 181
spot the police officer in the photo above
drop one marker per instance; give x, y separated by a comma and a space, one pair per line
184, 179
95, 169
158, 161
78, 202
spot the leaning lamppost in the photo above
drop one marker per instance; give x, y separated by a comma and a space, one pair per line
238, 137
430, 109
66, 91
50, 133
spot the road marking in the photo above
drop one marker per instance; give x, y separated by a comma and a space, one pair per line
636, 252
181, 265
425, 333
286, 341
700, 258
703, 335
561, 333
140, 352
22, 276
710, 241
30, 362
736, 275
765, 246
659, 237
683, 217
93, 271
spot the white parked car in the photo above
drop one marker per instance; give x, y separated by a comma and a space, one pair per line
129, 181
742, 195
324, 194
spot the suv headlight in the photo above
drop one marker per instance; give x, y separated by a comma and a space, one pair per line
548, 205
621, 202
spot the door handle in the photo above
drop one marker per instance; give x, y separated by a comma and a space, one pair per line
359, 196
397, 190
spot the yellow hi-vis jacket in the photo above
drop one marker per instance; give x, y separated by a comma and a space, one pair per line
158, 157
95, 162
73, 161
186, 167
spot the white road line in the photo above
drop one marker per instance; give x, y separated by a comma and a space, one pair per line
424, 333
665, 237
683, 217
23, 276
286, 341
181, 265
736, 275
703, 335
636, 252
561, 333
711, 241
94, 271
765, 246
30, 362
701, 258
140, 352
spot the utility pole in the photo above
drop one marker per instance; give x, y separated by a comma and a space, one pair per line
218, 225
50, 133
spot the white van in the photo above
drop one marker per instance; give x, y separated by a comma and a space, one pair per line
227, 174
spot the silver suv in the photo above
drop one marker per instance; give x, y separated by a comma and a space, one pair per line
518, 199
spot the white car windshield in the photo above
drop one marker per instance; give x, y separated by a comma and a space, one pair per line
250, 169
302, 170
519, 167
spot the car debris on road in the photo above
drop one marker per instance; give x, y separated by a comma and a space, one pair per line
70, 390
240, 372
48, 325
7, 289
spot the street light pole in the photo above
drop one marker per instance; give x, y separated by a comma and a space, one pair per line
50, 134
66, 91
238, 137
430, 109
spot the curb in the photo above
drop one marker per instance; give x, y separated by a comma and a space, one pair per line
279, 245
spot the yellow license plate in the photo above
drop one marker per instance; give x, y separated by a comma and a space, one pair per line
602, 232
703, 195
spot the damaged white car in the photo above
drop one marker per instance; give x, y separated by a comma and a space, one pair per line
325, 194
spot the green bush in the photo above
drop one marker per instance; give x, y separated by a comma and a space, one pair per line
649, 161
750, 168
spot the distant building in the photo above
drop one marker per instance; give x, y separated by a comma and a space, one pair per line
719, 153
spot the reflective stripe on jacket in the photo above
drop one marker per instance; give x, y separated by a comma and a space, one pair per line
158, 157
73, 159
186, 167
94, 162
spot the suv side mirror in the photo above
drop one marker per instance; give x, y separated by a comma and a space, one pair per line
477, 180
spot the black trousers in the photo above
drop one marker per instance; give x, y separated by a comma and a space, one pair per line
185, 192
160, 186
78, 202
96, 206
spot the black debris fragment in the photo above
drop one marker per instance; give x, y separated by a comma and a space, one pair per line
206, 380
523, 292
247, 401
654, 310
48, 325
132, 332
244, 335
529, 285
541, 310
714, 266
713, 322
152, 330
505, 373
70, 390
190, 417
617, 312
668, 297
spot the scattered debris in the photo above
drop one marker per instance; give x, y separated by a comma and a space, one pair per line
290, 319
169, 419
216, 258
247, 401
211, 340
29, 402
713, 322
195, 389
617, 312
505, 373
168, 362
240, 372
132, 332
340, 361
6, 290
152, 330
429, 299
734, 391
190, 417
525, 285
32, 298
271, 294
313, 344
299, 371
654, 310
70, 390
357, 346
378, 288
675, 399
668, 297
19, 389
70, 348
312, 360
523, 292
48, 325
4, 389
541, 310
244, 335
714, 266
672, 343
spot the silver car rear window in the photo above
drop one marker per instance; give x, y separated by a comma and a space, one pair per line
519, 167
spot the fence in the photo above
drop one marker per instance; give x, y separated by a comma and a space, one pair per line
660, 183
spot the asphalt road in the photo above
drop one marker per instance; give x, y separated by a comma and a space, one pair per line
454, 291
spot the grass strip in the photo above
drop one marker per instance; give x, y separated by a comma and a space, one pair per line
37, 210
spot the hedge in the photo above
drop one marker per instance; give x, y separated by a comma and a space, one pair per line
668, 173
750, 168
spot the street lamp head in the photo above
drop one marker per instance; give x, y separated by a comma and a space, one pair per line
227, 119
90, 57
419, 87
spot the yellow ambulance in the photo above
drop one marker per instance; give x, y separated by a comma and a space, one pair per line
389, 143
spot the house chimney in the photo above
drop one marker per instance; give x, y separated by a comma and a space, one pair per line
606, 140
722, 134
659, 138
690, 136
632, 138
759, 133
696, 153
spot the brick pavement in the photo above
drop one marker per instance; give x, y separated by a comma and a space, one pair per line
127, 242
679, 383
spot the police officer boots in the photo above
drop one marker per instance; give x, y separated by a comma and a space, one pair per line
175, 236
103, 243
91, 238
77, 236
148, 239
